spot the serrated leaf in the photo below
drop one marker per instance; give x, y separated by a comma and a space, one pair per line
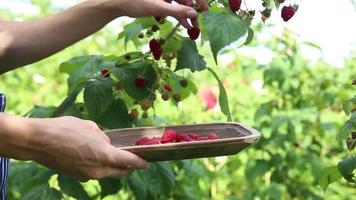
72, 187
109, 186
166, 176
138, 186
69, 101
328, 176
189, 57
347, 169
98, 95
42, 192
132, 30
74, 63
127, 73
223, 29
250, 35
345, 130
223, 98
115, 116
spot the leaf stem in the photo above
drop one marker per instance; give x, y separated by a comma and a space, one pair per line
175, 29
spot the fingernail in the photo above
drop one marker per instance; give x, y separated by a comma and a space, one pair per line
192, 14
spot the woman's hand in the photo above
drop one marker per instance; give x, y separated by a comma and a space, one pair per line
70, 145
182, 10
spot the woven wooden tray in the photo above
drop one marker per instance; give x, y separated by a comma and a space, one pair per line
233, 137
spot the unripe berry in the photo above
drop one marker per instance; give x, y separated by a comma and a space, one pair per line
133, 114
165, 96
105, 73
177, 97
183, 83
154, 28
145, 105
167, 88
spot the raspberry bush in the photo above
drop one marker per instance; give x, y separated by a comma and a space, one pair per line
160, 62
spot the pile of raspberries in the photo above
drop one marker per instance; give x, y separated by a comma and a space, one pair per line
171, 136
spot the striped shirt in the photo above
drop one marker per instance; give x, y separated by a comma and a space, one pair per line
4, 162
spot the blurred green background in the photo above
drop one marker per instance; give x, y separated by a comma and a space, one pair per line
295, 102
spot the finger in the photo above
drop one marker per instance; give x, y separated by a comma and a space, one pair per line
176, 10
184, 22
185, 2
115, 172
125, 159
92, 125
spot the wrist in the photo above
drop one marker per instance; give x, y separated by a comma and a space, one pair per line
107, 9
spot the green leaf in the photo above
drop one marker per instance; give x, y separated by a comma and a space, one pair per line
347, 169
138, 185
256, 169
132, 30
41, 112
328, 176
68, 102
223, 29
189, 57
75, 63
166, 176
223, 98
127, 73
109, 186
346, 106
115, 116
345, 130
353, 120
42, 192
72, 187
98, 95
249, 36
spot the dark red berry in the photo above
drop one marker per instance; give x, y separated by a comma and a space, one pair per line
154, 45
140, 81
201, 6
165, 96
105, 73
142, 141
235, 5
183, 83
281, 1
193, 136
134, 114
154, 140
213, 136
194, 33
169, 136
287, 13
181, 137
167, 88
157, 53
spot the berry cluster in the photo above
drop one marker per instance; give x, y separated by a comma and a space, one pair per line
171, 136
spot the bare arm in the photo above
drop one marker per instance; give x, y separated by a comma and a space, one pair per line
23, 43
67, 144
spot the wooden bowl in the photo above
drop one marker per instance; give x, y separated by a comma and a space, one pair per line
233, 137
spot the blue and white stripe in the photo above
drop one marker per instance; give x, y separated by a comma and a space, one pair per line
4, 162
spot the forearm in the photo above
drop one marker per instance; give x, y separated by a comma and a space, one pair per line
15, 137
27, 42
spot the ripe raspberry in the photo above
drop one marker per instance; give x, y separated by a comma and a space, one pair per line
142, 141
181, 137
167, 88
105, 73
134, 114
201, 6
140, 82
194, 33
154, 45
169, 136
154, 140
235, 5
193, 136
202, 138
159, 19
145, 105
165, 96
184, 83
287, 13
157, 54
213, 136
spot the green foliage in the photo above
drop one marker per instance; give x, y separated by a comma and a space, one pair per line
297, 110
